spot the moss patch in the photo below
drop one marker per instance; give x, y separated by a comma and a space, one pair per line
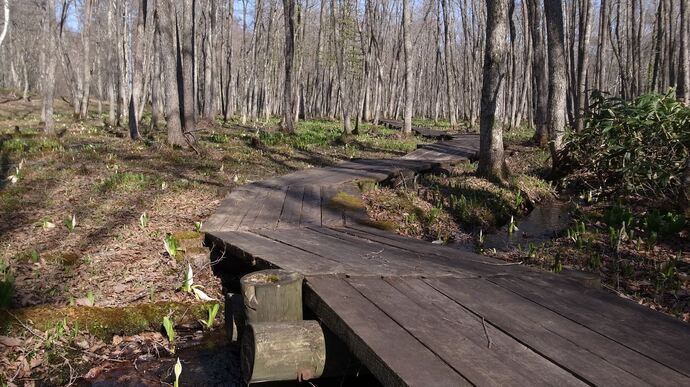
345, 201
104, 323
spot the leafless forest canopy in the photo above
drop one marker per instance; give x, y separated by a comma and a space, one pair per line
347, 59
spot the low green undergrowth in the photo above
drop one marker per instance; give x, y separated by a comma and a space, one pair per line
637, 147
30, 144
126, 181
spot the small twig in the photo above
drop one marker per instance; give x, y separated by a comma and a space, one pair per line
186, 136
373, 254
215, 262
28, 328
72, 376
486, 332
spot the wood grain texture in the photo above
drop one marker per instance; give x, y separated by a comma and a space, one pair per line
420, 314
396, 358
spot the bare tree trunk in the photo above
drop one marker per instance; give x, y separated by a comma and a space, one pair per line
448, 64
168, 44
407, 52
658, 47
156, 81
186, 44
557, 76
287, 117
539, 73
86, 65
50, 62
25, 78
111, 49
491, 161
603, 30
683, 91
138, 70
6, 25
583, 61
339, 46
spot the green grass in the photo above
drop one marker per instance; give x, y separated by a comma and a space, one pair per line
321, 134
126, 181
30, 145
522, 133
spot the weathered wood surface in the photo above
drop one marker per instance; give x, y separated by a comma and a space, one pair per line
282, 351
421, 314
272, 295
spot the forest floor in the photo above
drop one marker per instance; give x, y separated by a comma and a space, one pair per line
82, 227
84, 220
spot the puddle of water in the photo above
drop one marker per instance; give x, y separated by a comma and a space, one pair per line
210, 361
541, 225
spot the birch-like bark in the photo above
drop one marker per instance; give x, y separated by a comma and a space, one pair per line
6, 18
557, 76
491, 159
407, 52
287, 115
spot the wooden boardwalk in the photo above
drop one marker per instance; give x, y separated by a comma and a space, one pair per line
434, 134
426, 315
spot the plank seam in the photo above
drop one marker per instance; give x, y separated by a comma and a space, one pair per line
588, 328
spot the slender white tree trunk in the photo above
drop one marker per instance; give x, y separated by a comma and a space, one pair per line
5, 26
407, 47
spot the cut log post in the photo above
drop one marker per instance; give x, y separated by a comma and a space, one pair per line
272, 295
295, 350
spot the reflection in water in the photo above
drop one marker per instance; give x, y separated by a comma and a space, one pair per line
541, 225
211, 361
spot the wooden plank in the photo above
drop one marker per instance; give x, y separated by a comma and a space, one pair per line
267, 253
648, 332
330, 216
394, 356
253, 211
458, 337
231, 211
585, 353
370, 257
365, 260
270, 210
292, 208
311, 206
372, 253
462, 260
464, 322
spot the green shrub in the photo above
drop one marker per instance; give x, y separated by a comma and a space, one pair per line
636, 147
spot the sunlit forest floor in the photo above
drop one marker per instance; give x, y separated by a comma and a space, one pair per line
84, 217
125, 197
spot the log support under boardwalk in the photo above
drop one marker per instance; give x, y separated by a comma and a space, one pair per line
274, 351
276, 344
272, 295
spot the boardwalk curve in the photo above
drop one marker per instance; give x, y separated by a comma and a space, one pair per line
420, 314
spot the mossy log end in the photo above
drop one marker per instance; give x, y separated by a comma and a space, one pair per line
104, 323
272, 295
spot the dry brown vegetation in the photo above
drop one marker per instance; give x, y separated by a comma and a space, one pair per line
107, 182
